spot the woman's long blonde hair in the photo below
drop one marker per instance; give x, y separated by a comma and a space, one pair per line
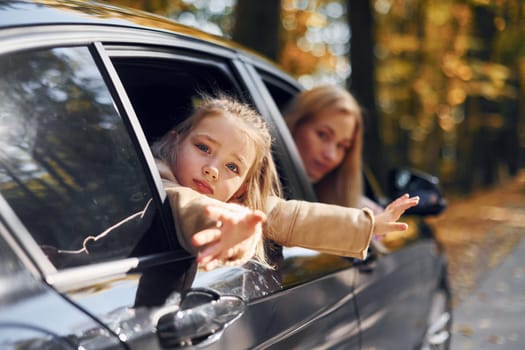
344, 185
262, 180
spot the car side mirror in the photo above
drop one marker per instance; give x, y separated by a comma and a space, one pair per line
417, 183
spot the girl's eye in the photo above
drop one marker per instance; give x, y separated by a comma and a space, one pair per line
322, 135
202, 147
233, 167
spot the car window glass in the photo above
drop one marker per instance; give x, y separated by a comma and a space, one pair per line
67, 166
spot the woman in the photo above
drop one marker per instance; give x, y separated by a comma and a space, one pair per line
327, 126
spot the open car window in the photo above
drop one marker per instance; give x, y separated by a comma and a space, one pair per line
282, 94
68, 168
164, 89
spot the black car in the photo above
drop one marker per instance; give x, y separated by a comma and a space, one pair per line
84, 90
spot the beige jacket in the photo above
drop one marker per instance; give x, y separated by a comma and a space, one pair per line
323, 227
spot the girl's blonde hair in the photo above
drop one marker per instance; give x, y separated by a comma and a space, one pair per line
344, 185
262, 180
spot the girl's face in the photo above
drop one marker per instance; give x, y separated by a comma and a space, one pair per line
323, 142
215, 158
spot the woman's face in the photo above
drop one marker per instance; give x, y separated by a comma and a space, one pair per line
323, 141
215, 157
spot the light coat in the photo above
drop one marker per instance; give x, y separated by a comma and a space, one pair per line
323, 227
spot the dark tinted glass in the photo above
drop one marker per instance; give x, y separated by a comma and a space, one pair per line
67, 165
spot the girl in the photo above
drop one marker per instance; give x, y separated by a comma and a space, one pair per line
220, 158
221, 152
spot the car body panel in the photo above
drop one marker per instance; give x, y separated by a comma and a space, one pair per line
404, 321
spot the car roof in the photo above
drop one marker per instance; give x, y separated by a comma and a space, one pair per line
23, 13
26, 13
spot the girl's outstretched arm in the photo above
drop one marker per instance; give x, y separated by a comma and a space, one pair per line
387, 221
324, 227
234, 238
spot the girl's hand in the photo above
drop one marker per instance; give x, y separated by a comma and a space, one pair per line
235, 238
370, 204
387, 220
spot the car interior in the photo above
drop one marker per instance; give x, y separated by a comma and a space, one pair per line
164, 94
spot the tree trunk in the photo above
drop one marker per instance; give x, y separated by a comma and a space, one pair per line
362, 80
257, 26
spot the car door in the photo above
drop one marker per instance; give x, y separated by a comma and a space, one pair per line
307, 300
404, 279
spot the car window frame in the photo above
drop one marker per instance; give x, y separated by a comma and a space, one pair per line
290, 163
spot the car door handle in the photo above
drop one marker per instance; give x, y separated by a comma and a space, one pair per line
202, 317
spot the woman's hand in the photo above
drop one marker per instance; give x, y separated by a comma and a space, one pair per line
387, 220
235, 238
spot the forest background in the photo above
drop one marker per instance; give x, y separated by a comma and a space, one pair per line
441, 81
